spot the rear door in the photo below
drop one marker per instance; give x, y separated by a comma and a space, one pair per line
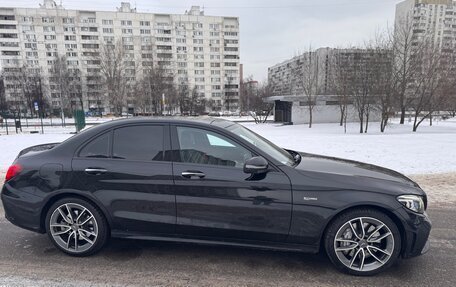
216, 199
127, 170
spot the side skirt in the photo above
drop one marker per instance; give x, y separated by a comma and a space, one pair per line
221, 242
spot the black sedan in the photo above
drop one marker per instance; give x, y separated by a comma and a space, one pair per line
215, 182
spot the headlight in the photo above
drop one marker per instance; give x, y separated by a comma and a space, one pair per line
413, 202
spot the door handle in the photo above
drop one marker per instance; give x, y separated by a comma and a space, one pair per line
95, 171
190, 174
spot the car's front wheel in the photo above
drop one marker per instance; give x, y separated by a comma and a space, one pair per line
363, 242
76, 227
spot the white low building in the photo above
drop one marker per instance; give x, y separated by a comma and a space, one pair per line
294, 109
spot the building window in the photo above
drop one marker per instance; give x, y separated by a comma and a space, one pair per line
9, 36
197, 25
107, 22
68, 20
70, 46
30, 45
214, 26
127, 31
47, 19
49, 29
27, 28
89, 37
108, 39
231, 33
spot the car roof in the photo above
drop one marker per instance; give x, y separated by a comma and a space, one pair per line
205, 120
86, 134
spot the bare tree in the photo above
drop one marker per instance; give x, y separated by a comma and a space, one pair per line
249, 91
95, 94
362, 83
183, 96
66, 81
157, 82
384, 79
309, 80
430, 83
261, 108
341, 83
113, 62
405, 48
197, 102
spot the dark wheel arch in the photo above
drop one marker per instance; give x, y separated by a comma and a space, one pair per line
65, 194
387, 212
344, 255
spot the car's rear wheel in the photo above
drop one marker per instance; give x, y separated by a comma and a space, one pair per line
363, 242
76, 227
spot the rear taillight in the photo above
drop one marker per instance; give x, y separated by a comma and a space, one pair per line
13, 170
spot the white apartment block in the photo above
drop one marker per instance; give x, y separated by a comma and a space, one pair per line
431, 19
290, 102
199, 49
285, 77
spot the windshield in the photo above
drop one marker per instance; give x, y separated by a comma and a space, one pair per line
268, 147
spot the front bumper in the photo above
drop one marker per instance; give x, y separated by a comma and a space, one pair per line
22, 208
417, 228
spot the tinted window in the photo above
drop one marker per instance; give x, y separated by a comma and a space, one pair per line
138, 143
205, 147
98, 147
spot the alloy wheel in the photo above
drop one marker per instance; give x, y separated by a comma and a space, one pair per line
73, 227
364, 244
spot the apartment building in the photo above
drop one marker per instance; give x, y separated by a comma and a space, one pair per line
433, 20
197, 49
291, 103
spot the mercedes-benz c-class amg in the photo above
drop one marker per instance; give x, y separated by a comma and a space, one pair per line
216, 182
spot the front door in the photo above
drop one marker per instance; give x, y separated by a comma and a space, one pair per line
127, 171
216, 199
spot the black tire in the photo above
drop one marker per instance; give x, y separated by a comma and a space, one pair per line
99, 219
340, 224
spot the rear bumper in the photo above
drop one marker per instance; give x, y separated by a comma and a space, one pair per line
22, 208
417, 228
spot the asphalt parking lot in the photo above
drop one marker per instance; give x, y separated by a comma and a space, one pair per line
28, 259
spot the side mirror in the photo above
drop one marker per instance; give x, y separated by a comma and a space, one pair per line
256, 165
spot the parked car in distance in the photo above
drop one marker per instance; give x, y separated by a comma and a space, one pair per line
213, 181
215, 114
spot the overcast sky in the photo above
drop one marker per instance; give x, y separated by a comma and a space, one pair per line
271, 30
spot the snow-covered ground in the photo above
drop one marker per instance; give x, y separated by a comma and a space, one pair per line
430, 150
